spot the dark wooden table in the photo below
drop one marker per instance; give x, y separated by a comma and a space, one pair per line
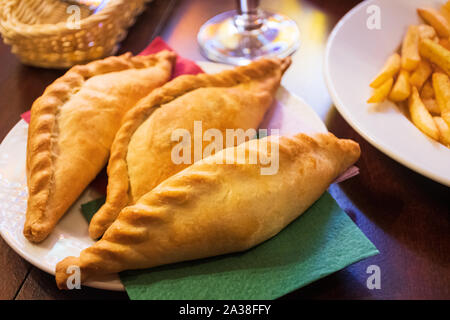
404, 214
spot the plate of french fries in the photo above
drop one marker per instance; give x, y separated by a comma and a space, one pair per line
387, 67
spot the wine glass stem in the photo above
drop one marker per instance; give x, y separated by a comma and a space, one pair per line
249, 16
247, 6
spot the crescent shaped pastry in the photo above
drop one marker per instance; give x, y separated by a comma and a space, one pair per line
141, 155
211, 209
73, 125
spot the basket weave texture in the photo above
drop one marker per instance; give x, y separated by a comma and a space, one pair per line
43, 32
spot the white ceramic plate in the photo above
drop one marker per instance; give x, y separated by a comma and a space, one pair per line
290, 114
354, 55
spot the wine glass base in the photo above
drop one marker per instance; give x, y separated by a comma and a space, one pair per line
223, 41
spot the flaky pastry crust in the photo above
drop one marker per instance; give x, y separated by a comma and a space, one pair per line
72, 128
211, 209
141, 152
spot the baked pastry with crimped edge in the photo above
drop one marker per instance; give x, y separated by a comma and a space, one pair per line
72, 128
231, 99
211, 209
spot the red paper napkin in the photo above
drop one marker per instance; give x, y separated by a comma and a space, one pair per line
26, 116
182, 66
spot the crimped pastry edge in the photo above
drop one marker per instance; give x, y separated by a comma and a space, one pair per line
171, 191
43, 129
117, 165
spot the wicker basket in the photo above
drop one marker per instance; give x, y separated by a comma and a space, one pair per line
40, 35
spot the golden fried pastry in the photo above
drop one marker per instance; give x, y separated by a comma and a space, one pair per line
141, 155
211, 209
73, 125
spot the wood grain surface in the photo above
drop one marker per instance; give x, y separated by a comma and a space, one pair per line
406, 215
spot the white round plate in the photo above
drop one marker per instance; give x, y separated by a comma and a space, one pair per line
354, 55
289, 114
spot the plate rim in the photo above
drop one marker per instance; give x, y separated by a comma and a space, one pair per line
375, 142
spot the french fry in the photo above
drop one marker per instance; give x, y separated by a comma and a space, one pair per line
381, 93
445, 114
432, 106
390, 69
405, 77
437, 69
445, 42
420, 116
402, 87
426, 31
421, 74
435, 53
435, 19
445, 11
410, 52
441, 86
427, 91
444, 130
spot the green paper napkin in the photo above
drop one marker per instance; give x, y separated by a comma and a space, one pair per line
90, 208
321, 241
